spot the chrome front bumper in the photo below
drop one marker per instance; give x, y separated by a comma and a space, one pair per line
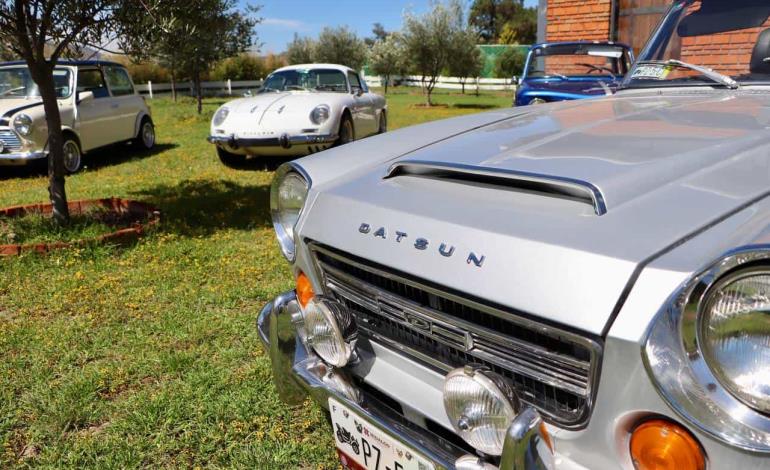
20, 158
285, 141
298, 372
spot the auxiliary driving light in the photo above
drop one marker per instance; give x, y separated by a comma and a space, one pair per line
481, 406
331, 330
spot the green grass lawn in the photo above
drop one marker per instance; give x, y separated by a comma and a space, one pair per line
148, 356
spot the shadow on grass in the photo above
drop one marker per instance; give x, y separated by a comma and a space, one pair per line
479, 106
104, 157
194, 208
263, 163
122, 153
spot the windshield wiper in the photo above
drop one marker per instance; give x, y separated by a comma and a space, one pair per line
706, 72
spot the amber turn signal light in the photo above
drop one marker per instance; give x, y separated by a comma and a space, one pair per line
662, 445
304, 290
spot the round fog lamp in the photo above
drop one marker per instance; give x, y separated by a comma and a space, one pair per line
331, 330
481, 406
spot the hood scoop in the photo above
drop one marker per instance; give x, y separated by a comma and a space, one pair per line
547, 185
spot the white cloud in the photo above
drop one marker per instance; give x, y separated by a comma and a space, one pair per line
283, 23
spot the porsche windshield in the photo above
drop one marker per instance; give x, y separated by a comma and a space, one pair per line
16, 82
707, 43
306, 79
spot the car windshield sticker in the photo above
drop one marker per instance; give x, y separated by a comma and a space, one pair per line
652, 72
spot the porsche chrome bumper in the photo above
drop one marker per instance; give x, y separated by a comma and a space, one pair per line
285, 140
298, 372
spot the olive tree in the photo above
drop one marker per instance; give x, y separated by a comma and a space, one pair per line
40, 32
386, 57
191, 40
301, 50
429, 39
466, 59
341, 46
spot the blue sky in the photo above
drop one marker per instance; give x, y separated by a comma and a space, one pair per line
282, 18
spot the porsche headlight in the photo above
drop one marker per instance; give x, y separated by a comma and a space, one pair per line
735, 335
287, 199
221, 115
320, 114
23, 124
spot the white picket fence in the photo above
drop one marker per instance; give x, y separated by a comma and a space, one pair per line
231, 87
226, 88
450, 83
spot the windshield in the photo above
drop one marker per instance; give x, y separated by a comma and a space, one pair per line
707, 43
16, 82
307, 79
586, 61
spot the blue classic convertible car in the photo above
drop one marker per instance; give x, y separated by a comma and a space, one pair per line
572, 70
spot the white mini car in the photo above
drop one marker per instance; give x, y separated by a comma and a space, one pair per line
301, 109
98, 103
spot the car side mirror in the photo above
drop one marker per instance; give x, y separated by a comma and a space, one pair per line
358, 91
516, 80
84, 96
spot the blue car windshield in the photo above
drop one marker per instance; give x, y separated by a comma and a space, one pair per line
707, 43
585, 60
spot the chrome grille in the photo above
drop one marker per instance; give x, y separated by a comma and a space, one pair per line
11, 141
552, 369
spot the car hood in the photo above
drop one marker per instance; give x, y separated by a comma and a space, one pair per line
274, 110
9, 107
662, 168
575, 86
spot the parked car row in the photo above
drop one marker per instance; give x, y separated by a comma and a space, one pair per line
576, 285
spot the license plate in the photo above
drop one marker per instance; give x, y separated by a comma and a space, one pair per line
362, 446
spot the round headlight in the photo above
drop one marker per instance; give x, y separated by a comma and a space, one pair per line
287, 198
735, 335
481, 406
331, 330
320, 114
221, 115
23, 124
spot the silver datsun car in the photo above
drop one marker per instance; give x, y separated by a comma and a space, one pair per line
577, 285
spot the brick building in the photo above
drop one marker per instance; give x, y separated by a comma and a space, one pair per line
631, 22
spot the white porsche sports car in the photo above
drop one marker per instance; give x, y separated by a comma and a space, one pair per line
301, 109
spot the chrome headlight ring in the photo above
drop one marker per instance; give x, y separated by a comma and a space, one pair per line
674, 358
22, 123
284, 222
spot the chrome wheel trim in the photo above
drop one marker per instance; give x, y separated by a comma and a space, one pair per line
148, 135
72, 156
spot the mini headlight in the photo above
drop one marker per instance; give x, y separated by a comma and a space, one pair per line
23, 124
481, 406
287, 198
735, 335
331, 330
221, 115
320, 114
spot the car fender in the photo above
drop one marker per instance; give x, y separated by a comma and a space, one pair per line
142, 114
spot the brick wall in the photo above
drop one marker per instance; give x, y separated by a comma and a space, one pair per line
728, 53
571, 20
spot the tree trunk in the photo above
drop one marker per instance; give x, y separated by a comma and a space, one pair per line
173, 84
56, 191
387, 79
198, 91
462, 82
